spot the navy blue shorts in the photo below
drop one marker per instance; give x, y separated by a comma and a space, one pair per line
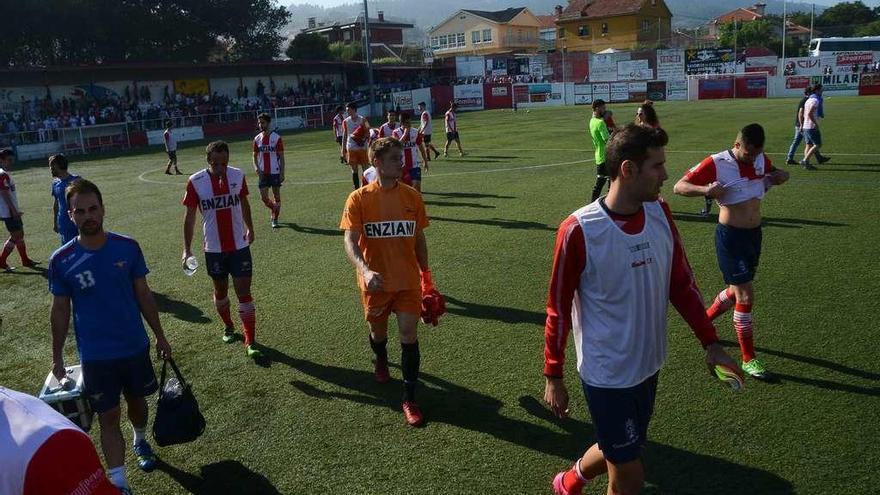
621, 417
235, 263
450, 136
13, 224
426, 138
172, 155
415, 174
269, 180
67, 235
813, 136
105, 380
739, 251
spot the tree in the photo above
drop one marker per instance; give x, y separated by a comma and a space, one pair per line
347, 53
870, 29
309, 46
843, 19
748, 34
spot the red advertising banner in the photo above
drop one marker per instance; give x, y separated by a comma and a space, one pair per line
869, 84
797, 82
497, 95
860, 58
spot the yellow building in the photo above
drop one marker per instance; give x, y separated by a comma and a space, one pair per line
597, 25
477, 32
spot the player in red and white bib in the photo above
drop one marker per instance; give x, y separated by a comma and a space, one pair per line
10, 214
269, 166
355, 140
737, 179
43, 453
220, 192
426, 128
337, 131
386, 129
413, 153
170, 148
452, 130
618, 263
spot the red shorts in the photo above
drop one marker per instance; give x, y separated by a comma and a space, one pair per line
379, 305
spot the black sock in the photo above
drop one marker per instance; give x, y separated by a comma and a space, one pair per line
379, 349
597, 189
409, 363
355, 180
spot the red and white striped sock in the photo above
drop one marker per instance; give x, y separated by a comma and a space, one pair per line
742, 321
7, 250
573, 480
222, 306
248, 314
722, 303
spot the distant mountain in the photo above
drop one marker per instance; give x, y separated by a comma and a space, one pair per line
425, 14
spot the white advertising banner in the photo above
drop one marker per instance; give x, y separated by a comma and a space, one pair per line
670, 64
468, 96
634, 70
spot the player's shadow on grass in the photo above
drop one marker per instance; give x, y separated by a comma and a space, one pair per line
464, 195
497, 313
673, 470
219, 477
498, 222
36, 270
787, 223
311, 230
180, 309
822, 363
460, 205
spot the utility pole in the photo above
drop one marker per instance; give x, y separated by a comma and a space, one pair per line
812, 15
784, 22
369, 55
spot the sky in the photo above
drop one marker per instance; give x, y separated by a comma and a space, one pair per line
333, 3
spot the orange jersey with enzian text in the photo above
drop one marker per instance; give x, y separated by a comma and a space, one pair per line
388, 220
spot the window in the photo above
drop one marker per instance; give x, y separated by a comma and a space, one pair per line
487, 35
346, 35
519, 35
475, 37
435, 42
646, 25
583, 30
604, 28
460, 39
562, 33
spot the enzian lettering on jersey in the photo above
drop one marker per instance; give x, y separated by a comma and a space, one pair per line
393, 228
217, 202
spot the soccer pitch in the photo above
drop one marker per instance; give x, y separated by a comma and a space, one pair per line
314, 421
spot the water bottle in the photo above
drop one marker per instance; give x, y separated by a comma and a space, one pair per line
190, 266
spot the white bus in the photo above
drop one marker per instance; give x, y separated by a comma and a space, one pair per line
818, 46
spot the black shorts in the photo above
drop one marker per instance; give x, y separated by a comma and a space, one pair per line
339, 140
236, 263
738, 251
105, 380
426, 138
451, 135
271, 180
13, 224
172, 155
621, 417
415, 174
601, 170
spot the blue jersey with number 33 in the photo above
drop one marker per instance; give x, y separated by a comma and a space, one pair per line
106, 316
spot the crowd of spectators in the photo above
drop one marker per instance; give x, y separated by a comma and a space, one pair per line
34, 120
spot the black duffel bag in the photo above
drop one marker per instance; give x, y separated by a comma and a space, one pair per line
178, 419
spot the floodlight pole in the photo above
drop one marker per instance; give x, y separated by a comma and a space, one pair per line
369, 55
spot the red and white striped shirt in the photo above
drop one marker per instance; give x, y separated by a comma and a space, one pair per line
219, 199
170, 142
387, 129
8, 185
614, 294
43, 453
741, 181
411, 140
337, 125
450, 121
269, 149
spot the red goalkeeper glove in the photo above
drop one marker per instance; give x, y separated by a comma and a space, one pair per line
433, 302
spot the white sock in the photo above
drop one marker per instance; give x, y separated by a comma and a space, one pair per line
139, 434
577, 469
117, 477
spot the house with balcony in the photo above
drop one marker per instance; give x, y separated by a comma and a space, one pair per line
386, 35
598, 25
479, 32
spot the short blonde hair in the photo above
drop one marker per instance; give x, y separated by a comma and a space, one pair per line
380, 147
